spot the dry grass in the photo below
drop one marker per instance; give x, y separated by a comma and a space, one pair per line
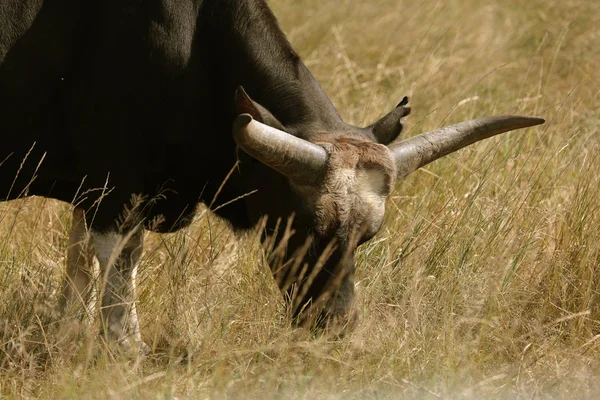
484, 281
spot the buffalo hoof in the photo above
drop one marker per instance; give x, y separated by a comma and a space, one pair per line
144, 350
130, 347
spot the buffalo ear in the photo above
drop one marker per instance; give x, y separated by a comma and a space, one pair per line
245, 105
388, 128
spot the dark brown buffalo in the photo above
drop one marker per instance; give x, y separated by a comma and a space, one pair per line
125, 109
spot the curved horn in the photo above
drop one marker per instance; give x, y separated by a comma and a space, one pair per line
420, 150
301, 161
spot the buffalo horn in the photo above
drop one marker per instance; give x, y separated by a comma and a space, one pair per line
417, 151
301, 161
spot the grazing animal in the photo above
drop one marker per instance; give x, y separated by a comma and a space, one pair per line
102, 101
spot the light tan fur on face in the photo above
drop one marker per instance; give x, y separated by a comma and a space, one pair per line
359, 177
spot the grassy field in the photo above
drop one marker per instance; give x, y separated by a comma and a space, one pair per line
483, 283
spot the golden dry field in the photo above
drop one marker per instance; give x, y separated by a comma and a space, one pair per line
483, 283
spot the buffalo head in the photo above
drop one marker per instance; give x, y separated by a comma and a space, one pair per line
335, 185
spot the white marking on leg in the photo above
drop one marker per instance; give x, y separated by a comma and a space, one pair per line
119, 256
105, 244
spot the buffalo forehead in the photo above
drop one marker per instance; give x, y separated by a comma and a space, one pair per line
362, 155
358, 179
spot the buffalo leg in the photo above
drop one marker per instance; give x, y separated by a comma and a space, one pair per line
119, 256
80, 268
77, 300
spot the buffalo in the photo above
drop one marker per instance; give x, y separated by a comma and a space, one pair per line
137, 111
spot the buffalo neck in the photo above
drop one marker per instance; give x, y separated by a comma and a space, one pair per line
253, 51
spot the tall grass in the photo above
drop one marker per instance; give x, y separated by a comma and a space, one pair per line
483, 282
